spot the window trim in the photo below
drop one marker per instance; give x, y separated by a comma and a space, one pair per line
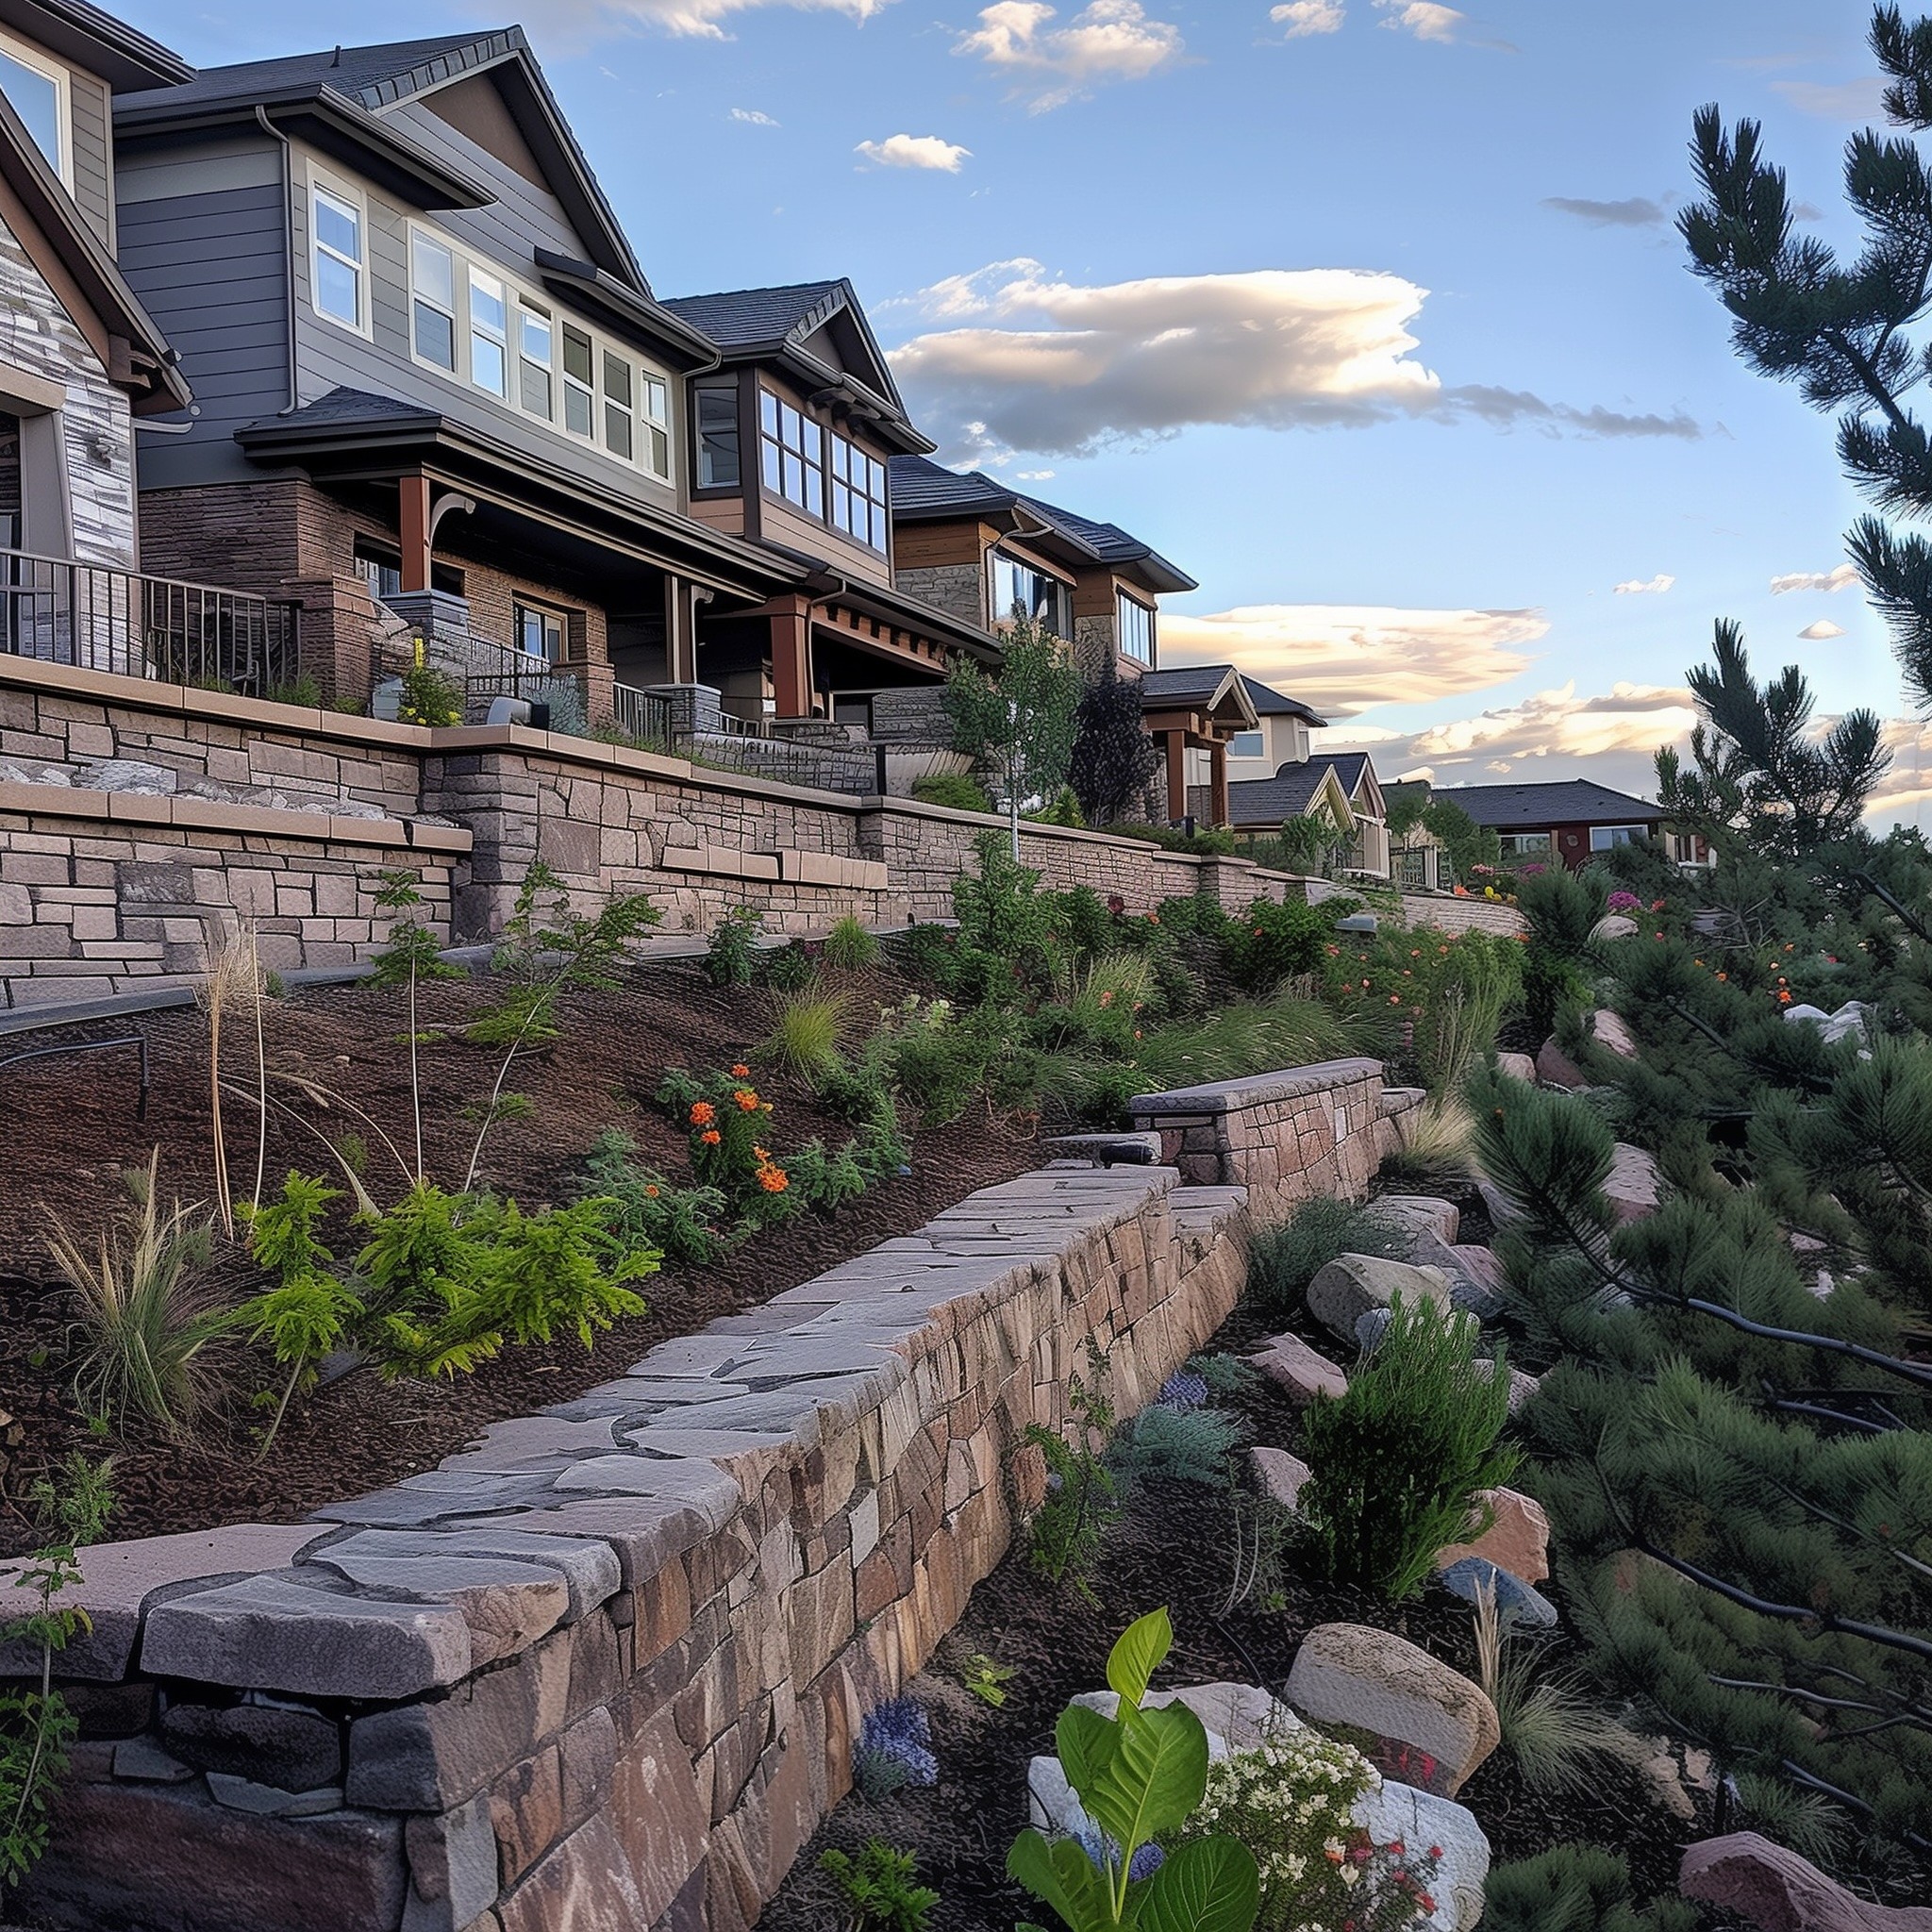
1002, 615
1511, 848
550, 612
732, 391
498, 334
31, 58
1123, 599
1610, 842
346, 192
766, 442
419, 237
1261, 738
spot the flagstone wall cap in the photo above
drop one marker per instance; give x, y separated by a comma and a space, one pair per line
1231, 1096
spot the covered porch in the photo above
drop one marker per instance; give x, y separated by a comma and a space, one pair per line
1191, 714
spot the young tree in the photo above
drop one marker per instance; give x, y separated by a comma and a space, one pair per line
1844, 334
1114, 759
1467, 843
1018, 724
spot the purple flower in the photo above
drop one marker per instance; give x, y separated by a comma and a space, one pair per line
894, 1749
1624, 902
1104, 1851
1182, 1392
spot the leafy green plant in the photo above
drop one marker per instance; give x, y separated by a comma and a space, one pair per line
36, 1725
1398, 1459
952, 791
1575, 1888
1062, 809
642, 1210
148, 1321
429, 696
788, 968
877, 1889
1284, 1259
849, 946
302, 690
987, 1679
410, 956
727, 1122
1290, 1799
1439, 1150
1194, 1446
806, 1027
733, 951
1139, 1775
826, 1180
1017, 723
1082, 1499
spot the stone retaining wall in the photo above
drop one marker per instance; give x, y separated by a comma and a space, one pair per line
604, 1671
329, 798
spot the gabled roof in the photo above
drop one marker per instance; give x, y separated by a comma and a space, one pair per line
924, 492
1348, 766
1269, 703
1562, 802
64, 249
1291, 791
360, 86
777, 325
120, 55
1196, 688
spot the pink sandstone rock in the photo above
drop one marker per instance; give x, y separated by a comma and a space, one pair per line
1517, 1540
1288, 1360
1518, 1066
1632, 1188
1554, 1068
1280, 1477
1778, 1891
1610, 1032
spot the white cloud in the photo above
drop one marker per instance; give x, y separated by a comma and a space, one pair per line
754, 117
1852, 100
704, 19
1340, 657
915, 151
1842, 578
1817, 633
1635, 212
1061, 368
1425, 19
1640, 587
1303, 17
1108, 40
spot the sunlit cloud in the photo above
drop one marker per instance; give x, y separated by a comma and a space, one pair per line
1041, 365
1425, 19
1842, 578
1342, 657
1851, 100
1824, 629
1048, 66
915, 151
1644, 587
1303, 17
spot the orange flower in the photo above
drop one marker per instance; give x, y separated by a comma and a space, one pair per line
759, 1154
741, 1071
711, 1137
1724, 976
702, 1114
747, 1101
774, 1179
651, 1191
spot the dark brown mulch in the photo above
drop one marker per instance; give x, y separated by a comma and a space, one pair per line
1174, 1546
68, 1134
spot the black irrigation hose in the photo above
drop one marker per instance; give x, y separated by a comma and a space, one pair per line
137, 1040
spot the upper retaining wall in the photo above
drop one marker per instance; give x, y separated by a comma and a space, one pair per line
469, 808
604, 1671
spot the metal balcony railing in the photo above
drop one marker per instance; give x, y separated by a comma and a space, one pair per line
643, 717
97, 618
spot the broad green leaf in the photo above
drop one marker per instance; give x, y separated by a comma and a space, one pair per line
1087, 1742
1208, 1885
1030, 1863
1154, 1779
1137, 1655
1062, 1876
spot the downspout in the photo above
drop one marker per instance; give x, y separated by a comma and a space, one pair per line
275, 134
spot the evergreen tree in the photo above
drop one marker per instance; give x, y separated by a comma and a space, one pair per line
1114, 759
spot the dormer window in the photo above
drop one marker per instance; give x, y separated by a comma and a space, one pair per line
36, 89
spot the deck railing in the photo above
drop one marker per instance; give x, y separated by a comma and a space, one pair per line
644, 717
98, 618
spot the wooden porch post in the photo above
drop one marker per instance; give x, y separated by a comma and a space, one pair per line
1177, 749
1218, 808
413, 529
792, 656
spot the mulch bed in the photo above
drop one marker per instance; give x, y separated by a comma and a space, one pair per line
1173, 1546
70, 1135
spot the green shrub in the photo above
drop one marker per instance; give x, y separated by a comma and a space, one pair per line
1082, 1500
1575, 1888
429, 696
734, 948
876, 1890
1062, 810
929, 953
806, 1030
1209, 841
1086, 925
1007, 937
1283, 1260
148, 1321
825, 1180
849, 946
1269, 944
954, 790
728, 1124
790, 968
300, 690
1194, 1446
1398, 1459
643, 1211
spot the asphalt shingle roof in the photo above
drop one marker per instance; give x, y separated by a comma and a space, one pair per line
1269, 703
1188, 684
1563, 802
1267, 801
365, 74
748, 318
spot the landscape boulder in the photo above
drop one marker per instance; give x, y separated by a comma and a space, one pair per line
1400, 1814
1612, 1033
1777, 1891
1518, 1066
1632, 1188
1418, 1217
1425, 1725
1280, 1477
1350, 1285
1554, 1068
1290, 1362
1517, 1539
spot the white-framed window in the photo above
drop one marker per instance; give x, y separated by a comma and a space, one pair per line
654, 401
535, 353
489, 334
37, 89
1136, 628
339, 264
579, 383
1246, 745
1603, 836
432, 300
539, 632
620, 414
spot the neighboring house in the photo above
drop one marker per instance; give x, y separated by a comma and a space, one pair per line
1343, 783
432, 375
1279, 737
1191, 714
1570, 819
1418, 861
980, 549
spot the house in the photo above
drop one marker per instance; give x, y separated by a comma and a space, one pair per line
1192, 714
434, 384
81, 360
1570, 819
1279, 737
1342, 783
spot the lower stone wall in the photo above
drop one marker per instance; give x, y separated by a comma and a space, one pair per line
606, 1669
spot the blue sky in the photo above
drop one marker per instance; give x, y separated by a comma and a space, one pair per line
1369, 313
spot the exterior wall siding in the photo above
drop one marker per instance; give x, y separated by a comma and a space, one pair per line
91, 115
